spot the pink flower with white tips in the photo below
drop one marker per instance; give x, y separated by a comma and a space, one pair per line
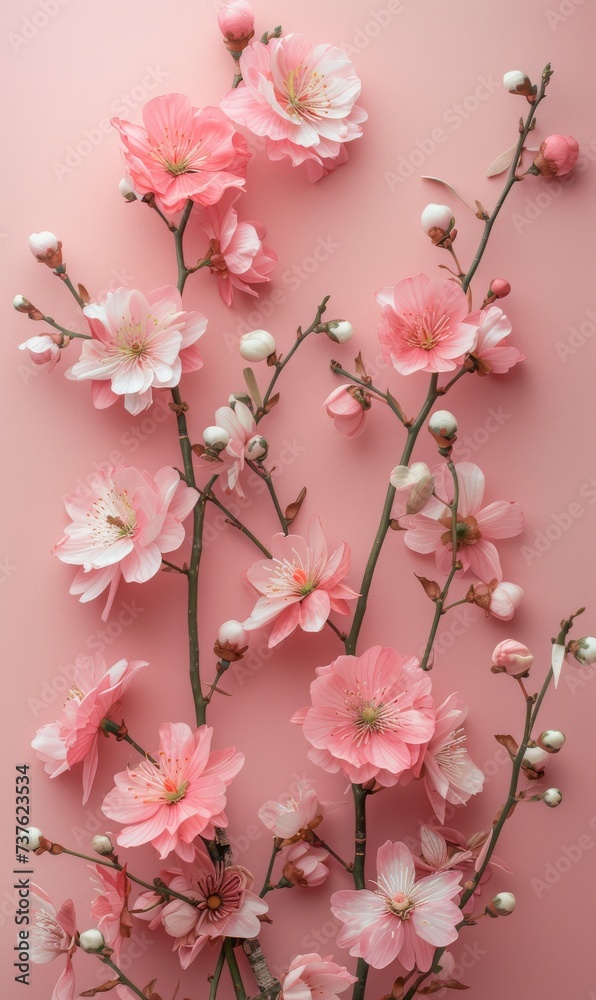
95, 695
477, 526
490, 354
53, 933
425, 325
347, 405
43, 351
296, 816
300, 584
311, 977
403, 918
182, 152
301, 96
449, 773
239, 257
178, 798
225, 906
371, 715
138, 344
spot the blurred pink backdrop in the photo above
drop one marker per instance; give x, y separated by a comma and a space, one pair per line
431, 77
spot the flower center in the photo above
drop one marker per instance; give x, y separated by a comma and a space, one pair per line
305, 94
112, 517
173, 791
292, 578
400, 904
467, 531
451, 756
213, 902
371, 715
74, 693
424, 330
178, 153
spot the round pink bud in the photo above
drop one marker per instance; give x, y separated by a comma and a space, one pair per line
557, 155
437, 220
500, 288
504, 599
232, 633
236, 20
43, 245
512, 657
347, 405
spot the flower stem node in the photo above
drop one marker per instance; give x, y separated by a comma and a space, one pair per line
257, 448
552, 797
551, 740
102, 844
338, 330
46, 248
34, 837
502, 904
584, 650
258, 345
92, 941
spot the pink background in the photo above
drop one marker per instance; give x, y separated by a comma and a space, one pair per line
431, 83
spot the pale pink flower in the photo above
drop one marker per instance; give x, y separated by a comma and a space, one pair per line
371, 715
239, 424
180, 797
239, 257
403, 918
110, 907
43, 351
225, 906
504, 599
477, 526
310, 977
512, 657
557, 155
303, 865
120, 527
53, 933
95, 694
449, 773
138, 344
300, 584
301, 96
293, 818
444, 848
347, 405
489, 354
182, 152
425, 325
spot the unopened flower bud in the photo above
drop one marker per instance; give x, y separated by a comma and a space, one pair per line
552, 797
585, 653
437, 221
33, 836
256, 345
240, 397
232, 641
46, 248
499, 288
417, 481
339, 330
503, 904
256, 448
216, 437
557, 156
551, 740
512, 657
127, 191
92, 940
444, 424
21, 304
102, 844
535, 757
517, 82
236, 22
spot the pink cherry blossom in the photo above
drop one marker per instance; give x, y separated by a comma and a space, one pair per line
512, 657
449, 773
311, 977
444, 849
52, 934
489, 354
182, 152
43, 351
180, 797
293, 818
303, 865
371, 715
347, 405
425, 325
225, 906
301, 96
110, 907
403, 918
94, 695
477, 526
300, 584
138, 344
120, 527
239, 257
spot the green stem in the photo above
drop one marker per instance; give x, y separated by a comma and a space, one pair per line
321, 843
267, 886
237, 523
171, 565
445, 388
73, 290
360, 795
183, 270
116, 866
217, 974
455, 565
234, 970
123, 979
413, 431
62, 329
369, 387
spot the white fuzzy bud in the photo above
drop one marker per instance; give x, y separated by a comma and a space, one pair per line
444, 423
256, 345
535, 757
232, 632
43, 245
551, 740
503, 903
102, 844
216, 437
517, 82
256, 448
339, 330
437, 219
33, 836
21, 304
92, 941
127, 191
586, 651
552, 797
